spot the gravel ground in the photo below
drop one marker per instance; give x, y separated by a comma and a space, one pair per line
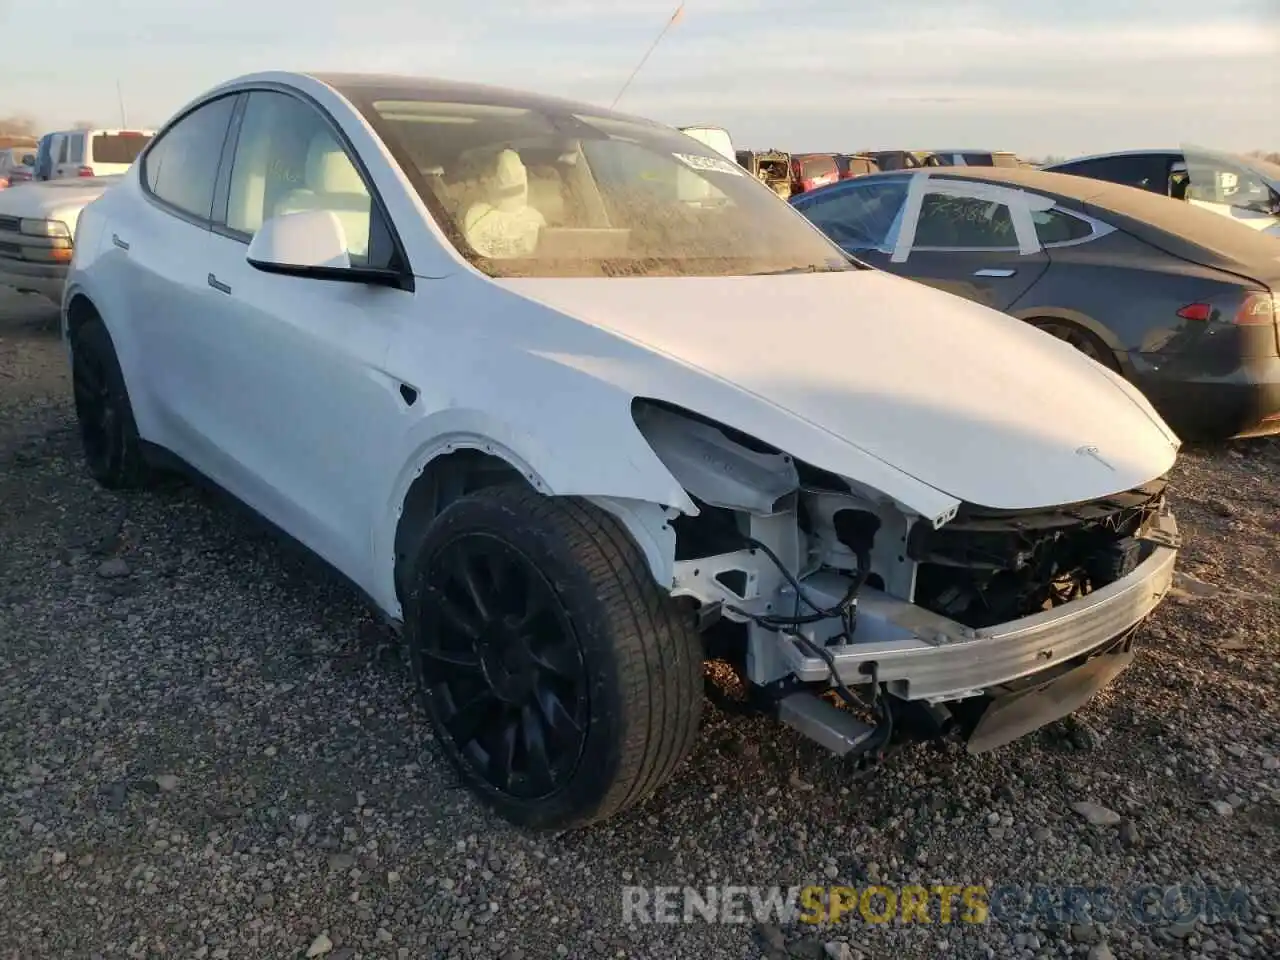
208, 748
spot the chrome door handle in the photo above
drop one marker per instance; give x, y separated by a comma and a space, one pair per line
218, 284
994, 273
115, 238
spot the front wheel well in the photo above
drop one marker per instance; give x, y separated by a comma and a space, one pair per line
443, 480
79, 312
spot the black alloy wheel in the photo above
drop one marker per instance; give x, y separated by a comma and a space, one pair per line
108, 433
563, 683
507, 672
97, 410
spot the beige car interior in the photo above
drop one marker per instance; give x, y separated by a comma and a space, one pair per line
333, 183
329, 181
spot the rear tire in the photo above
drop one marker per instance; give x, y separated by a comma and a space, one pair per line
108, 433
564, 685
1086, 341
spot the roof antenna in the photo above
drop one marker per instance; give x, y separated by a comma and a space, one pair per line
124, 120
675, 17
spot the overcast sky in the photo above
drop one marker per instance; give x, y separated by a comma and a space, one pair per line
1084, 76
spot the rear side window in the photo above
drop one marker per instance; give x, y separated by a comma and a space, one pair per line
858, 217
77, 148
1004, 160
977, 159
63, 151
964, 223
182, 167
1057, 226
1146, 172
118, 147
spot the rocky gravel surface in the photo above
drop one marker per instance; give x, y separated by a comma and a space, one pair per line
209, 749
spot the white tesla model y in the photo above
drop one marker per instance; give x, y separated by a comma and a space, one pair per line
580, 405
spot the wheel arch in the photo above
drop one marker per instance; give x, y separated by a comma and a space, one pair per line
462, 461
1082, 321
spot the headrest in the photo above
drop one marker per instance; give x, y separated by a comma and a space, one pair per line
329, 170
511, 180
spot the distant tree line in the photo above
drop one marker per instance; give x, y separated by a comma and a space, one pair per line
20, 128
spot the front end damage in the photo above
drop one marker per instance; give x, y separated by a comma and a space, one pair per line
853, 619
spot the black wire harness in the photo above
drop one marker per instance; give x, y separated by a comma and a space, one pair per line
846, 610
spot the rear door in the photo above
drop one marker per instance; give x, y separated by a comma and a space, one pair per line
973, 239
165, 248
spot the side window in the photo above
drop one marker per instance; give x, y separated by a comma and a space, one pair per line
288, 160
1213, 181
1057, 226
63, 144
858, 217
77, 148
964, 223
1145, 171
181, 168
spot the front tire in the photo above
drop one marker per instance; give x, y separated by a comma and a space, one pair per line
563, 684
108, 433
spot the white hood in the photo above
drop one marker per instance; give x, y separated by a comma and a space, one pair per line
965, 399
54, 199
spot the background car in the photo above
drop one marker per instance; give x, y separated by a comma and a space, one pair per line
975, 158
1174, 298
37, 231
770, 167
15, 164
902, 159
855, 165
68, 154
1245, 189
812, 170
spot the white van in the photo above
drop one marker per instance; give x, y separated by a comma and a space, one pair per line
91, 153
717, 138
691, 188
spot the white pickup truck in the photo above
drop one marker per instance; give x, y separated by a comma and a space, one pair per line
37, 232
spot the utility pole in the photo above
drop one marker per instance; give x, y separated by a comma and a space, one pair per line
124, 119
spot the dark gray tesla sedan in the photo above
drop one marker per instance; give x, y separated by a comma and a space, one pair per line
1178, 300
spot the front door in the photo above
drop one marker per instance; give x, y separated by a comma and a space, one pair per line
296, 366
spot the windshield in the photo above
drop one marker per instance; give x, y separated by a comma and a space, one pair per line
525, 192
1242, 182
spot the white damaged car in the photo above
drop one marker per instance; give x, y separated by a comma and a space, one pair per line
578, 428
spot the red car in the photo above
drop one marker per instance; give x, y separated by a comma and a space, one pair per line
812, 170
